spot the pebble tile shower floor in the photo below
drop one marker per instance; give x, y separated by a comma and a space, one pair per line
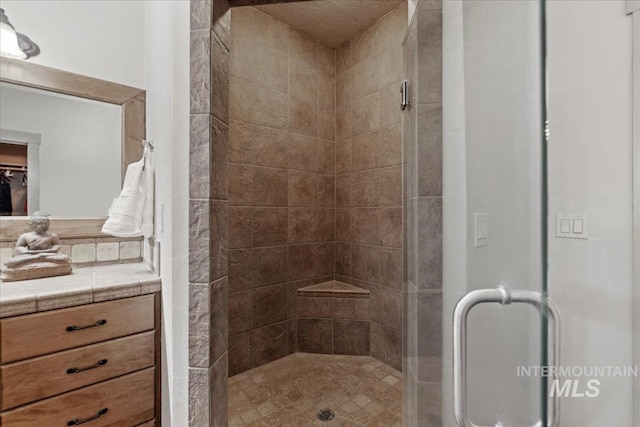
290, 391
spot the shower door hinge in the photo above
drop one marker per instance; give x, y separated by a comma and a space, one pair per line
405, 95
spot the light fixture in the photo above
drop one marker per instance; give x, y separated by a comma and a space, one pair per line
14, 44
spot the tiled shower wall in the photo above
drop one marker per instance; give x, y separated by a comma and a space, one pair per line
369, 175
281, 182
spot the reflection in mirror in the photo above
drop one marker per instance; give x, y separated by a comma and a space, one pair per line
60, 154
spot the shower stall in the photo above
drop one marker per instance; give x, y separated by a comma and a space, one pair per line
424, 223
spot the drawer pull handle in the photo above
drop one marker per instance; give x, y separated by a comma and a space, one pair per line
77, 421
77, 328
97, 365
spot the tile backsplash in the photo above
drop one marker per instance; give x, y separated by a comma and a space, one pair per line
88, 252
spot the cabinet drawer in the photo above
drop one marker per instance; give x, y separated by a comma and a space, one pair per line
122, 402
37, 334
35, 379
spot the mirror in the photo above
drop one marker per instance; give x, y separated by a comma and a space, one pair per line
66, 140
58, 153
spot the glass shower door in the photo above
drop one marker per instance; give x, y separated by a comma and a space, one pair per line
494, 214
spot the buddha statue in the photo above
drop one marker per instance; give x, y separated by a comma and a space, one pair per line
37, 253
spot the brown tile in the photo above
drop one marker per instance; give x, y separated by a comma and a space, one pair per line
365, 151
364, 263
325, 229
311, 260
365, 114
219, 391
314, 307
343, 156
240, 269
391, 145
429, 156
365, 188
270, 265
315, 336
292, 328
269, 305
343, 123
327, 60
241, 104
326, 190
327, 89
242, 58
240, 228
270, 187
303, 188
351, 337
219, 318
219, 238
303, 117
391, 29
270, 69
200, 334
363, 44
269, 343
200, 71
241, 142
303, 82
429, 328
391, 186
363, 225
391, 226
343, 57
239, 353
220, 62
269, 226
199, 237
390, 113
293, 291
390, 267
366, 77
344, 88
270, 108
302, 153
429, 242
386, 345
327, 123
390, 72
240, 312
344, 229
343, 190
272, 32
242, 24
303, 48
240, 184
430, 56
351, 308
269, 147
302, 225
343, 258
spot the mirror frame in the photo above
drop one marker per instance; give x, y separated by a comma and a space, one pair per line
131, 99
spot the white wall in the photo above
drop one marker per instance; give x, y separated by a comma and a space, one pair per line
79, 168
589, 67
143, 44
168, 126
99, 38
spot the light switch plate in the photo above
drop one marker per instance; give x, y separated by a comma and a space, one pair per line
480, 229
572, 226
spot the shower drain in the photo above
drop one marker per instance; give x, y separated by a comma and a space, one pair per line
325, 414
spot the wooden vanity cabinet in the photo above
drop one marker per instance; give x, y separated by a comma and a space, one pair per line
95, 365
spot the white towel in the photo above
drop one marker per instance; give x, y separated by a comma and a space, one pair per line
131, 213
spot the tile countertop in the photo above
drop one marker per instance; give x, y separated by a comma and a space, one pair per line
83, 286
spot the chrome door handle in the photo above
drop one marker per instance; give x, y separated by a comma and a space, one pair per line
503, 296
